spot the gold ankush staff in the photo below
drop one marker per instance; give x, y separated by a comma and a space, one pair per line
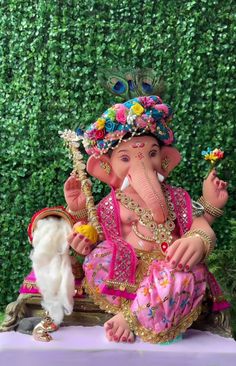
72, 141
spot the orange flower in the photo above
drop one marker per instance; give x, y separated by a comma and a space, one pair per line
90, 266
158, 299
146, 291
97, 289
186, 282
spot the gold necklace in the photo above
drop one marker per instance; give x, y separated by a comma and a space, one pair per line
161, 232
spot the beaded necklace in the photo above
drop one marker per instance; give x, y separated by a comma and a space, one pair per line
161, 232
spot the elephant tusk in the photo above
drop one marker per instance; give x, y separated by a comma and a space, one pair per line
125, 184
160, 177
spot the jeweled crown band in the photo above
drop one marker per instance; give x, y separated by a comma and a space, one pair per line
213, 211
137, 116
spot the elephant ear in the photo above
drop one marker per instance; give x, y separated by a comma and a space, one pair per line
170, 158
101, 169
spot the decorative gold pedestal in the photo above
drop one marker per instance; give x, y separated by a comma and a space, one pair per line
29, 305
87, 314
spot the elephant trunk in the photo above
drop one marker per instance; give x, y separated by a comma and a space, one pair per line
145, 182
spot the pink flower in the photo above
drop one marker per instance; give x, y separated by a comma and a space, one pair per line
90, 150
90, 134
121, 114
218, 153
140, 122
99, 134
152, 125
162, 108
147, 102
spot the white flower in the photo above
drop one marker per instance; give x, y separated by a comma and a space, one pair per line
131, 117
70, 136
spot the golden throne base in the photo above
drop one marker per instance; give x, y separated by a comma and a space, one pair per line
86, 313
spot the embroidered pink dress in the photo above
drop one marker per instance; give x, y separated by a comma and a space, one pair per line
158, 302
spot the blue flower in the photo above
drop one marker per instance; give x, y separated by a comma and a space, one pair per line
165, 320
172, 302
150, 313
153, 97
157, 115
99, 281
207, 152
184, 303
148, 113
101, 144
121, 127
129, 103
110, 126
79, 132
164, 132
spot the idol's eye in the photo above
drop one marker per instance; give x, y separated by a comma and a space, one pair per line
125, 158
153, 153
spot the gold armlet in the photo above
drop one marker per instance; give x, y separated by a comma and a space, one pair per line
208, 243
213, 211
80, 214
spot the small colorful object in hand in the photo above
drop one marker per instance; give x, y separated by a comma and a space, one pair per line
213, 156
88, 232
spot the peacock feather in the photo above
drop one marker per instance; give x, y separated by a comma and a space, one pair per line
147, 82
128, 84
114, 82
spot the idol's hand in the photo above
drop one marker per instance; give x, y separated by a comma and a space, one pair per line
74, 197
185, 253
214, 190
79, 243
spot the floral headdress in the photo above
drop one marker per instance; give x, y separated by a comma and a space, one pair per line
146, 114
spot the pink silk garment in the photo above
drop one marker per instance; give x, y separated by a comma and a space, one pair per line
164, 298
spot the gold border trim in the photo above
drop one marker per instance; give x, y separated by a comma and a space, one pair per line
100, 300
148, 335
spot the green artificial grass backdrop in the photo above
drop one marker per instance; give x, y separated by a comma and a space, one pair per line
51, 52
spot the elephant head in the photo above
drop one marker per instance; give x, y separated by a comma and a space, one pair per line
140, 163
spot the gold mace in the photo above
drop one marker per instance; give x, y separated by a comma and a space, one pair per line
72, 141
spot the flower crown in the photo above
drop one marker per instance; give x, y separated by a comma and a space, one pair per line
136, 116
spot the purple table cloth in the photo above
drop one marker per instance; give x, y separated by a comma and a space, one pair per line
87, 346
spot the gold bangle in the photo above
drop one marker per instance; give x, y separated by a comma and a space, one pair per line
80, 214
212, 210
208, 243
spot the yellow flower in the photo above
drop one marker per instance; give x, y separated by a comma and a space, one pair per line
100, 123
137, 109
165, 282
212, 157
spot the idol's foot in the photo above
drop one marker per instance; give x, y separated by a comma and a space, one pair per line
117, 329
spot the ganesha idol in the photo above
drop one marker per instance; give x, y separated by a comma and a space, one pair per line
148, 269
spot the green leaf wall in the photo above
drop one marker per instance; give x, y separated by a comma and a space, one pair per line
50, 52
